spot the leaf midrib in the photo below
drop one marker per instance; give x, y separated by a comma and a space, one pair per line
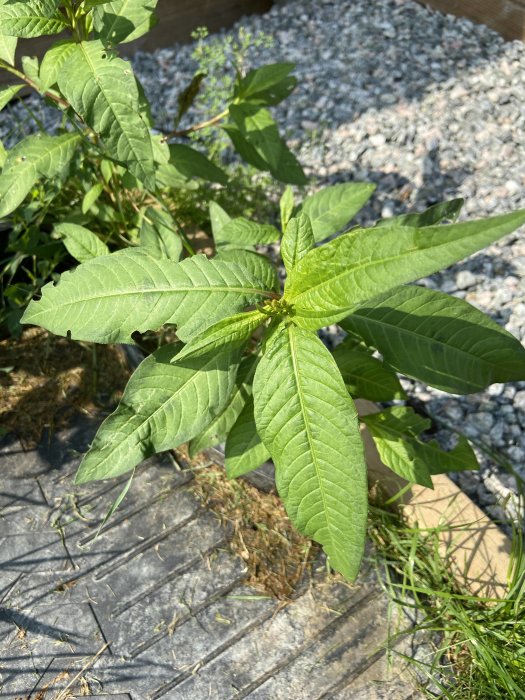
158, 290
293, 351
352, 271
405, 331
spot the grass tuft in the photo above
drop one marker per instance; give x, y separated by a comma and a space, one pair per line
476, 646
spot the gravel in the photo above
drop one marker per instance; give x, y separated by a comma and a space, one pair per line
429, 107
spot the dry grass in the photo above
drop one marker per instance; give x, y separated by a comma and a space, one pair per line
45, 380
276, 555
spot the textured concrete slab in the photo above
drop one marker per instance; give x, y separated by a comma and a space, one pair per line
156, 606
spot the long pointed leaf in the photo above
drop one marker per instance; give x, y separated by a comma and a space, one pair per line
257, 265
80, 242
35, 157
298, 239
240, 232
102, 89
107, 299
331, 209
232, 332
158, 235
453, 346
163, 406
308, 422
331, 280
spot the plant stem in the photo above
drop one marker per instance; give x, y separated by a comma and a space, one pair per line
196, 127
51, 95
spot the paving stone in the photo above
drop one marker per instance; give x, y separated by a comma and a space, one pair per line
47, 643
380, 681
126, 536
246, 665
25, 590
137, 625
123, 582
212, 630
33, 551
159, 587
23, 507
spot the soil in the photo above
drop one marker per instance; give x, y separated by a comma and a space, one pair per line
45, 380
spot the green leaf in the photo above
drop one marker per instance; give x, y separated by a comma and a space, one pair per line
437, 214
453, 346
91, 197
240, 233
461, 458
192, 163
3, 155
365, 376
267, 85
159, 236
218, 218
308, 422
163, 406
53, 62
244, 148
7, 93
232, 332
187, 97
297, 241
395, 432
217, 431
258, 128
90, 4
145, 108
8, 48
167, 175
259, 266
31, 18
161, 150
124, 20
35, 157
31, 70
244, 450
333, 207
330, 281
102, 89
109, 298
114, 506
286, 206
81, 244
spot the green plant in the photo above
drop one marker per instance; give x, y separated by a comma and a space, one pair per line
107, 176
253, 372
